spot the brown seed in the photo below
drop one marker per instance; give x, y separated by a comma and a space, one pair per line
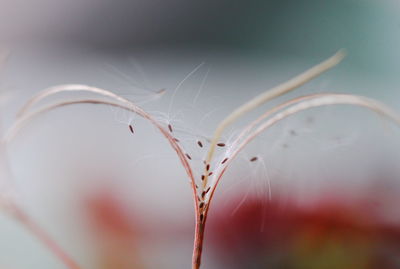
207, 167
253, 159
203, 194
210, 174
202, 177
170, 127
201, 205
221, 144
188, 156
197, 186
201, 217
199, 143
224, 161
131, 129
208, 189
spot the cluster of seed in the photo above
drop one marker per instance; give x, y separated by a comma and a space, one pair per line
201, 197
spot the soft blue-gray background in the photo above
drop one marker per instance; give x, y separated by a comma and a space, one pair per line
248, 46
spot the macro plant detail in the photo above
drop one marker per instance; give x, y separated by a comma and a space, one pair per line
204, 183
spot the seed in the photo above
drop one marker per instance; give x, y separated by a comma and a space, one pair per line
170, 127
131, 129
224, 161
207, 167
221, 144
253, 159
201, 205
209, 174
199, 143
202, 177
201, 217
208, 189
188, 156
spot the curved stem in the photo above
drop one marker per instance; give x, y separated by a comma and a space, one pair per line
24, 118
71, 88
300, 104
42, 235
261, 99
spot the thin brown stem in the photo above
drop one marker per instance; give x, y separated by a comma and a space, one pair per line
129, 106
198, 242
41, 234
261, 99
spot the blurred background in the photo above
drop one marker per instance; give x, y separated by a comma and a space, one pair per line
323, 192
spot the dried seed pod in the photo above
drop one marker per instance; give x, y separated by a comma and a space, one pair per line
253, 159
199, 143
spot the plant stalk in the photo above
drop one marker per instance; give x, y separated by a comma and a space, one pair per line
42, 235
198, 243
